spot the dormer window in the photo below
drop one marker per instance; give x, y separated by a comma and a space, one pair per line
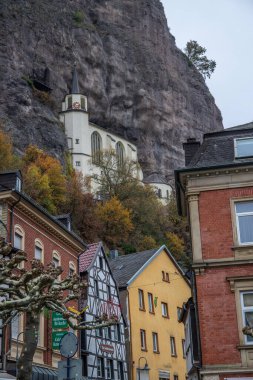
244, 147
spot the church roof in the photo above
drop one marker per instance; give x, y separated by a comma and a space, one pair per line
75, 84
155, 178
87, 257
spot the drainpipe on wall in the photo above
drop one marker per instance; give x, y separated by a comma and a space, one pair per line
11, 238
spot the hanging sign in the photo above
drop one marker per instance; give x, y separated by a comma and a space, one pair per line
58, 322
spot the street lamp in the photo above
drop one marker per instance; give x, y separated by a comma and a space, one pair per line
144, 370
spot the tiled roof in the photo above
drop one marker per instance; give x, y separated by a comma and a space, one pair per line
217, 148
124, 267
87, 257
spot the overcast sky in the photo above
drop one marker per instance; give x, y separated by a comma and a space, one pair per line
225, 29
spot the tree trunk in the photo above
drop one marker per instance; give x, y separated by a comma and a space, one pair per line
24, 364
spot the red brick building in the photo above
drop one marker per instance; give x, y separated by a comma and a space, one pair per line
28, 226
215, 189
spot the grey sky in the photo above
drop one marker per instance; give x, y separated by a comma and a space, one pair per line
225, 28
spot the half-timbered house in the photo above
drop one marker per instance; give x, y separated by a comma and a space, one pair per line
103, 350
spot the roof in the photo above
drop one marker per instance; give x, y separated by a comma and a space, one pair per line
87, 257
126, 268
75, 85
217, 148
155, 178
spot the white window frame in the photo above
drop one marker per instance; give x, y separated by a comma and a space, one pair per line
244, 310
38, 243
151, 303
99, 367
155, 342
250, 213
141, 299
165, 310
236, 148
143, 340
173, 346
72, 268
77, 163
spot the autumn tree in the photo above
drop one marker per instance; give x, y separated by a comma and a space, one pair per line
44, 179
116, 179
82, 207
7, 158
32, 289
196, 56
116, 222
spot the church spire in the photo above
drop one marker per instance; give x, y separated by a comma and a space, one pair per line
75, 85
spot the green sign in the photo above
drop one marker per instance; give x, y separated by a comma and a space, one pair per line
58, 322
56, 338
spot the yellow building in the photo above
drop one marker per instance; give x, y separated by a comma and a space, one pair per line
152, 289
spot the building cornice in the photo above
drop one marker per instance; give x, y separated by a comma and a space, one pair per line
35, 214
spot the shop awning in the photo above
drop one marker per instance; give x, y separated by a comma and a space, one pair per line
43, 373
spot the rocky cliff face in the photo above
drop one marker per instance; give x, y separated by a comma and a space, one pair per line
137, 82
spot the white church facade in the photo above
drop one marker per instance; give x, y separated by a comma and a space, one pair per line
86, 140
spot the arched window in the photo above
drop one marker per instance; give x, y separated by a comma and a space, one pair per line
69, 102
56, 259
19, 237
96, 147
120, 153
72, 269
39, 250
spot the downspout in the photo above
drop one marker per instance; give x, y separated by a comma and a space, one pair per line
195, 300
11, 240
130, 339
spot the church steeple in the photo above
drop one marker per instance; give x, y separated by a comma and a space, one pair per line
75, 84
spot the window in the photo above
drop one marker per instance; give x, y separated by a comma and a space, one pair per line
38, 251
72, 269
120, 371
19, 238
244, 147
96, 289
117, 333
247, 313
244, 221
167, 194
77, 141
109, 369
56, 259
150, 303
108, 292
159, 193
108, 334
82, 103
15, 326
175, 377
183, 347
165, 276
173, 346
179, 310
96, 147
99, 332
78, 163
100, 367
165, 310
143, 340
141, 299
155, 342
120, 153
101, 262
69, 102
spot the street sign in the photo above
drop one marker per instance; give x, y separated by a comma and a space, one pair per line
69, 345
56, 338
58, 322
108, 348
75, 369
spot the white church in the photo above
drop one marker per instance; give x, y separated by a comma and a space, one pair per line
86, 140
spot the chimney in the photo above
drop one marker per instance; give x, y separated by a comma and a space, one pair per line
114, 254
190, 148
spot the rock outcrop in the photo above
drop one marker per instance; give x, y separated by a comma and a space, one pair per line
138, 83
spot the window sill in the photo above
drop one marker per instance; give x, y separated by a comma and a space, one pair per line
144, 350
174, 356
166, 316
245, 347
142, 309
152, 312
156, 352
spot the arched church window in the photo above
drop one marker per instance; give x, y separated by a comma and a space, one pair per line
82, 103
120, 153
96, 147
